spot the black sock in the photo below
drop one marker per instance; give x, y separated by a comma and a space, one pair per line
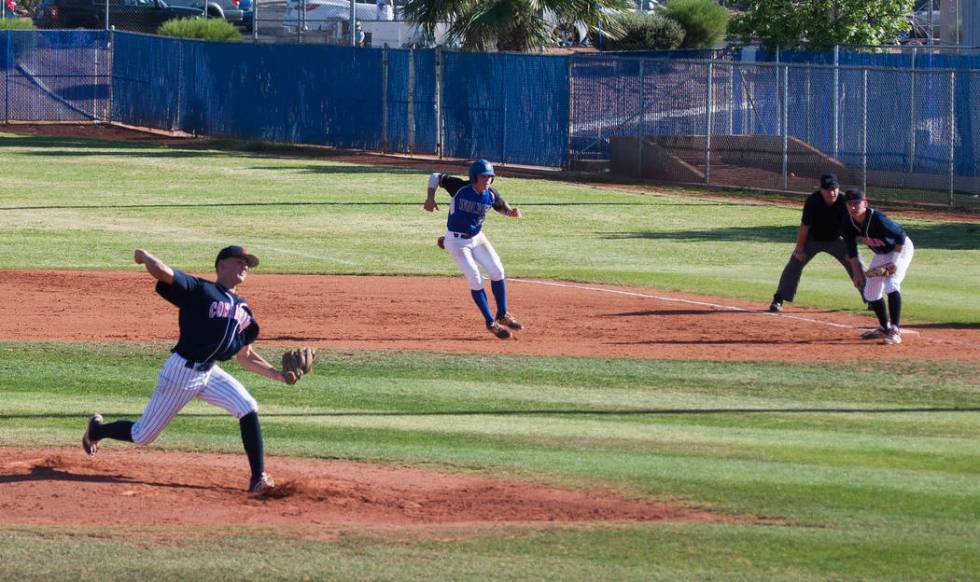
895, 306
252, 439
121, 430
878, 306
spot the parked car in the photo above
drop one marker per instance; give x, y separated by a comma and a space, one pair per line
323, 15
134, 15
230, 10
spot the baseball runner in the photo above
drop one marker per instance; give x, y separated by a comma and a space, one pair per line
215, 324
819, 232
893, 252
469, 247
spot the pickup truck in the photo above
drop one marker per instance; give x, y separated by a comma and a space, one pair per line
132, 15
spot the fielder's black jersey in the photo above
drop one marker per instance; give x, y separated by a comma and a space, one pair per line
824, 221
877, 231
214, 322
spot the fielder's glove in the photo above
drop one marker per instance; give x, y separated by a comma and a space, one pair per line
441, 242
297, 362
886, 270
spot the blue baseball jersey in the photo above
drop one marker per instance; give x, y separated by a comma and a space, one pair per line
214, 322
879, 232
469, 208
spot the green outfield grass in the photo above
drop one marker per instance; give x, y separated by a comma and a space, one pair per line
85, 204
856, 470
875, 475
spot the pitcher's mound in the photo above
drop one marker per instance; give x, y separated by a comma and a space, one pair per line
129, 486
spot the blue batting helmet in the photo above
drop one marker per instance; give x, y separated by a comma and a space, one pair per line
481, 168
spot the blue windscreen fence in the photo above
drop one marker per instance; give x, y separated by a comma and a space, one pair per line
506, 107
55, 75
871, 112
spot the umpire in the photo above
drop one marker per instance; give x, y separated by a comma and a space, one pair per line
819, 231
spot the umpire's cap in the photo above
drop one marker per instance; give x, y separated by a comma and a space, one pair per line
481, 168
828, 182
236, 251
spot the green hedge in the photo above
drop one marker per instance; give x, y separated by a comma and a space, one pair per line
16, 24
646, 32
705, 23
200, 28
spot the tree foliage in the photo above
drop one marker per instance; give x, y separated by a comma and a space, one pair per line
646, 32
705, 23
511, 25
820, 24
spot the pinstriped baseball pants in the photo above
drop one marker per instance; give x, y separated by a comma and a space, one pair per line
177, 385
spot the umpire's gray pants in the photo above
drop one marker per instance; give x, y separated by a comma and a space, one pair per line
790, 278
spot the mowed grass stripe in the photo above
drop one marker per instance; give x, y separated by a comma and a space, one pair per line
318, 216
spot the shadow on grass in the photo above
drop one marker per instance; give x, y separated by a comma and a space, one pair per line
955, 236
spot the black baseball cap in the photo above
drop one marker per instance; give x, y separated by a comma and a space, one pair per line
854, 196
236, 251
828, 182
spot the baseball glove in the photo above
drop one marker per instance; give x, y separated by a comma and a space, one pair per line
441, 242
885, 270
297, 362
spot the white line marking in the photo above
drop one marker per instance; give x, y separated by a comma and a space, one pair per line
688, 302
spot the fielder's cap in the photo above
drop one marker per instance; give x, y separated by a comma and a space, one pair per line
236, 251
828, 182
854, 196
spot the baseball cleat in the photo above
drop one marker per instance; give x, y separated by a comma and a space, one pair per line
498, 330
777, 304
261, 485
90, 445
894, 336
878, 332
508, 320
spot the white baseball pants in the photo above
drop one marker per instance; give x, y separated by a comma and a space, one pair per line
876, 287
177, 385
470, 253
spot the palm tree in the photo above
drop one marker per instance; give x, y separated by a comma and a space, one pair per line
512, 25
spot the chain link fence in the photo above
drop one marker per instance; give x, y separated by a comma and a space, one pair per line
899, 133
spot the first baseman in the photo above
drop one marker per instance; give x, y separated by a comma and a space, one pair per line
892, 248
215, 324
469, 247
819, 232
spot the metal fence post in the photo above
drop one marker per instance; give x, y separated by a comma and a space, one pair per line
731, 98
6, 75
384, 99
571, 113
952, 132
111, 59
835, 111
411, 99
107, 14
255, 21
785, 123
912, 117
639, 132
864, 129
707, 124
439, 128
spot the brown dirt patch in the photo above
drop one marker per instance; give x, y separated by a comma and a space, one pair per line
138, 487
564, 319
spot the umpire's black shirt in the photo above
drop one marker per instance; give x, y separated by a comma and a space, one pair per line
824, 221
